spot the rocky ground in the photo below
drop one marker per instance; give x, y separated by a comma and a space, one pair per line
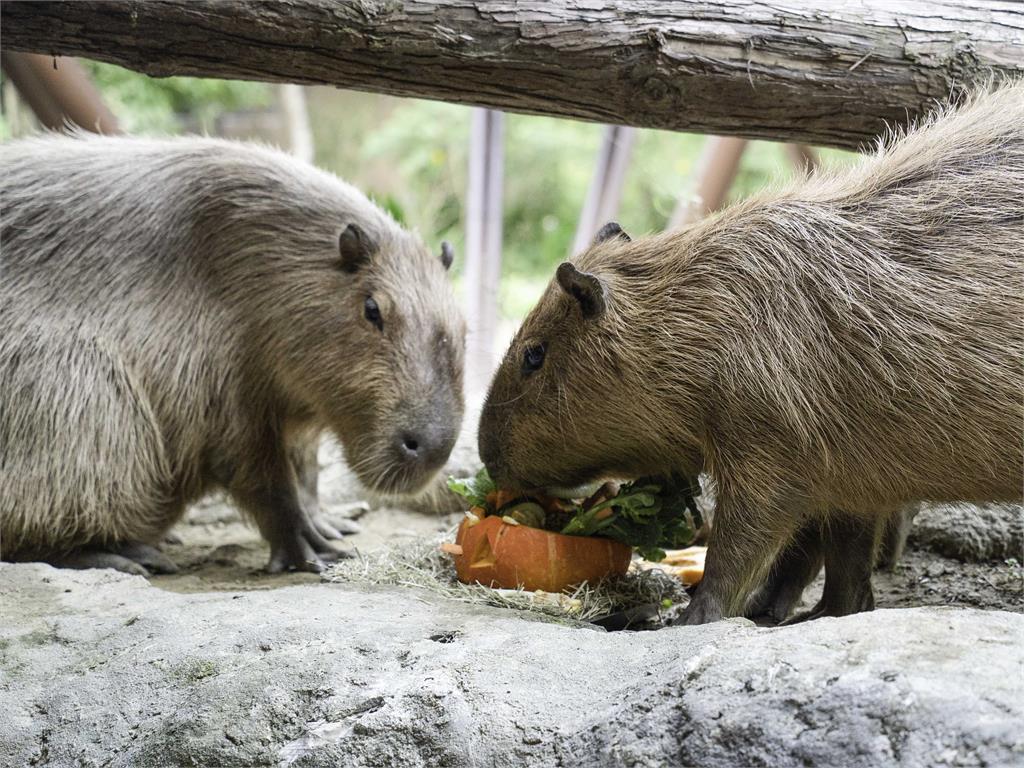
102, 669
223, 665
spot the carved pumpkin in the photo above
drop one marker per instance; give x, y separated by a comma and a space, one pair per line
497, 554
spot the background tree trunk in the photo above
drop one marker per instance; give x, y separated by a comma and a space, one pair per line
829, 73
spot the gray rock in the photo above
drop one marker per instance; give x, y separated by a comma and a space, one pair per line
99, 668
972, 533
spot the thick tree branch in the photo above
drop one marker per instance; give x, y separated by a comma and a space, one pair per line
818, 73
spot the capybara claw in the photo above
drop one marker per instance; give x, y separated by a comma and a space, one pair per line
283, 562
308, 551
335, 554
335, 529
802, 616
324, 528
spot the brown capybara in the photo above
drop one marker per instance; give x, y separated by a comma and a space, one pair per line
828, 354
184, 315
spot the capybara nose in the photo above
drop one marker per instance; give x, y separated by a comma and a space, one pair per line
428, 447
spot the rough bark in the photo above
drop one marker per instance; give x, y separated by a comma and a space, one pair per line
818, 73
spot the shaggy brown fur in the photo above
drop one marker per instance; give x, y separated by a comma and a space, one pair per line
183, 315
827, 353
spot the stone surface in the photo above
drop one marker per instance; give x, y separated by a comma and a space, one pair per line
971, 533
99, 668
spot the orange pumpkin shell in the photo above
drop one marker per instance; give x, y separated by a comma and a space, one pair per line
497, 554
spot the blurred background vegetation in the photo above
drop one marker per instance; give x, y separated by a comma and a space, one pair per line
411, 157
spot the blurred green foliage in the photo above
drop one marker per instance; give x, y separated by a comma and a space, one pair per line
411, 157
157, 105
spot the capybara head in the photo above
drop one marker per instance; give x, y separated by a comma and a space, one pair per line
586, 389
358, 322
399, 396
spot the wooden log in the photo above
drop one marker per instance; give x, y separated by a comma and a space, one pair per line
831, 73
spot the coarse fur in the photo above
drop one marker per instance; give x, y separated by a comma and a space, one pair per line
180, 315
828, 353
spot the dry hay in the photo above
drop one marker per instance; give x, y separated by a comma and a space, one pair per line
420, 564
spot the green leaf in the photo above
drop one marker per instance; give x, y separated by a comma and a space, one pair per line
473, 489
653, 554
650, 514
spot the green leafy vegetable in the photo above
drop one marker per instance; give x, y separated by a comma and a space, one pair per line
650, 514
473, 489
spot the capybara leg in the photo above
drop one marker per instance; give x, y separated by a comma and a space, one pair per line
793, 570
894, 537
850, 547
306, 465
745, 538
295, 543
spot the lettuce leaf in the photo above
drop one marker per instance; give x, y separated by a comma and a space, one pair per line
473, 489
650, 514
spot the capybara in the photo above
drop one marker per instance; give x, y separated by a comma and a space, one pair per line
829, 354
184, 315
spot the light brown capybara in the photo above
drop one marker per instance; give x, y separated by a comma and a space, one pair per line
829, 354
184, 315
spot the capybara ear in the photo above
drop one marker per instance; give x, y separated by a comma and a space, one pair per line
355, 248
583, 287
609, 231
447, 254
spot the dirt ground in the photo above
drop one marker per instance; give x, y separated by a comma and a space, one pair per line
217, 551
925, 578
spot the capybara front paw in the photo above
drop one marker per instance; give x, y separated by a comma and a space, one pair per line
334, 529
303, 551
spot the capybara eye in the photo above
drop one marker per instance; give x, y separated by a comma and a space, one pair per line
533, 358
372, 313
